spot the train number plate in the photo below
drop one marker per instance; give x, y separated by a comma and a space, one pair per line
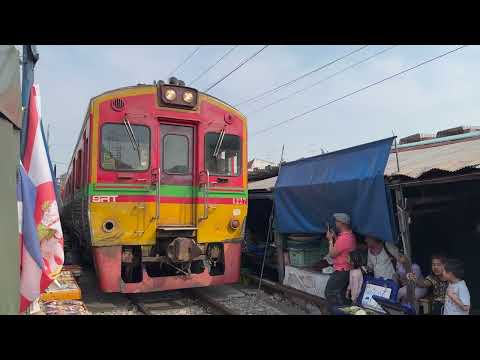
102, 199
239, 201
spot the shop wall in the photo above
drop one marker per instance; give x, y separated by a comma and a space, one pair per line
258, 216
9, 245
449, 226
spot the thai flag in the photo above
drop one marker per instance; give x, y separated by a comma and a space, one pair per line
41, 237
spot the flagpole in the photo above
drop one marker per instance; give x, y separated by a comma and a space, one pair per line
47, 148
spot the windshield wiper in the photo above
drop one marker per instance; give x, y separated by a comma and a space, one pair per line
219, 144
131, 135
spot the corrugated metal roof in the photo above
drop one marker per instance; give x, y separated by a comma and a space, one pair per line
265, 184
452, 154
449, 156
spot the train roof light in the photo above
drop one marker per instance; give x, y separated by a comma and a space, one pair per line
177, 96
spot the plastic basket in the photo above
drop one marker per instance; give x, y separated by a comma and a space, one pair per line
305, 257
306, 253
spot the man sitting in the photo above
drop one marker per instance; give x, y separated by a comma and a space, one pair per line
382, 258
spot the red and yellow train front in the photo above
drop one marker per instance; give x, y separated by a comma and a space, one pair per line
167, 190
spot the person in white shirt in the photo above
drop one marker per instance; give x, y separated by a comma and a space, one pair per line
457, 299
382, 258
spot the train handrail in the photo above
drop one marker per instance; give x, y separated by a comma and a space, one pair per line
205, 195
158, 197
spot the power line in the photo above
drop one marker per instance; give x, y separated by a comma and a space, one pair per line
359, 90
238, 67
274, 90
321, 81
215, 64
184, 61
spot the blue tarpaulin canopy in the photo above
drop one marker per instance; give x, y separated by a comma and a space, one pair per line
309, 191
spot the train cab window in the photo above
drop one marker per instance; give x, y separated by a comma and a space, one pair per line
175, 154
121, 151
222, 156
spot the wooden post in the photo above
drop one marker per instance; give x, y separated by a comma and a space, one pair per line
404, 223
278, 238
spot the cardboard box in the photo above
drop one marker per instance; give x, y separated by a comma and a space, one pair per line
63, 288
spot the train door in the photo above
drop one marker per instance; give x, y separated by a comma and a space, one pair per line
176, 176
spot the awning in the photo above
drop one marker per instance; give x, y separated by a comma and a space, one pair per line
309, 191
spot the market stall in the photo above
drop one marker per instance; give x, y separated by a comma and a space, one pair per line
309, 191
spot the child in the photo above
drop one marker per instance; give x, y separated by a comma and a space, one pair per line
457, 300
434, 281
357, 261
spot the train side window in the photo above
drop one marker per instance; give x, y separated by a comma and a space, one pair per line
227, 162
85, 162
74, 172
119, 150
78, 171
175, 154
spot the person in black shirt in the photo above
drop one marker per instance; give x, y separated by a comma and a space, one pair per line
434, 281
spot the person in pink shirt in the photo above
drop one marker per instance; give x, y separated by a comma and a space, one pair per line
339, 248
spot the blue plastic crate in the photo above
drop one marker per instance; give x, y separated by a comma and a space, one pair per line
388, 283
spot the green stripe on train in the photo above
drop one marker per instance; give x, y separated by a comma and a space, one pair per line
165, 190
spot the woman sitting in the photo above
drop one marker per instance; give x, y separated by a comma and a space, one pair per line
402, 279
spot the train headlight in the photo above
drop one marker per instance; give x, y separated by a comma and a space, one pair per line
188, 97
177, 96
170, 95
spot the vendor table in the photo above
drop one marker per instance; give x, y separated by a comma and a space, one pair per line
309, 281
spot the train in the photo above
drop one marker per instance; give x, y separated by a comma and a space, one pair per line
155, 195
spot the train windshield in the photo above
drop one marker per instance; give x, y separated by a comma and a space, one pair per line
226, 160
118, 151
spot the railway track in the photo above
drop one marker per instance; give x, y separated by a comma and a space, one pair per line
183, 302
217, 307
166, 303
295, 296
237, 299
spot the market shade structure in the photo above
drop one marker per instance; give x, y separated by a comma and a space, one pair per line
309, 191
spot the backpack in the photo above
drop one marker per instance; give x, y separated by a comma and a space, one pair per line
392, 258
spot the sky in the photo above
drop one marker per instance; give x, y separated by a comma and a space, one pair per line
433, 97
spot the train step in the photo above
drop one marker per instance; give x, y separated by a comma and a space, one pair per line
176, 228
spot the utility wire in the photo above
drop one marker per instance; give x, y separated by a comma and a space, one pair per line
238, 67
215, 64
274, 90
357, 91
321, 81
184, 61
